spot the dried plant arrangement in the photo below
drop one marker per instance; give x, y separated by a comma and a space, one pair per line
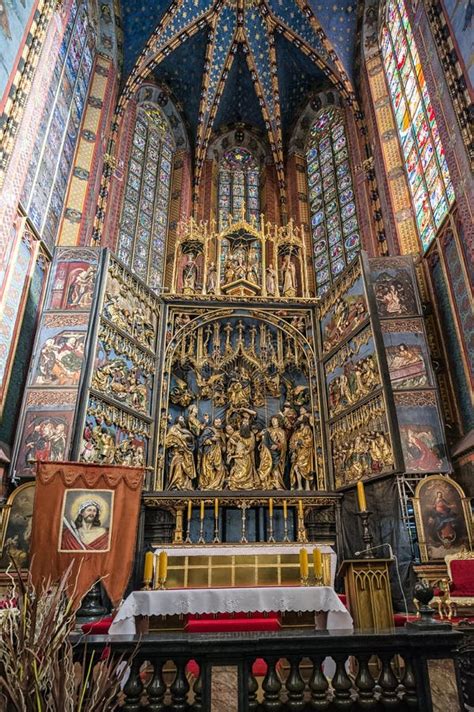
38, 671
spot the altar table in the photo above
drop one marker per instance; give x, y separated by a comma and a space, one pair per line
169, 602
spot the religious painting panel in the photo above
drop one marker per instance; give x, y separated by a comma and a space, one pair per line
240, 409
16, 527
59, 354
352, 373
73, 279
421, 432
123, 371
395, 288
112, 436
361, 444
443, 518
344, 309
407, 353
45, 434
130, 306
86, 520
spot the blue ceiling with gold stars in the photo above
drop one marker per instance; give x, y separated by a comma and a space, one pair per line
250, 61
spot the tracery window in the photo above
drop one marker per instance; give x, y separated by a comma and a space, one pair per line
428, 175
144, 220
238, 185
45, 185
334, 227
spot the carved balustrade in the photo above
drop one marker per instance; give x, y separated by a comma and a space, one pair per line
302, 671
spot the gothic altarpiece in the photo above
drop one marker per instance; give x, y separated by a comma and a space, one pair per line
236, 385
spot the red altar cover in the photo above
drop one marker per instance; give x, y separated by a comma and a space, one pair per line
85, 516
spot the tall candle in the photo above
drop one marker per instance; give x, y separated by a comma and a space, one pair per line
190, 509
202, 509
285, 509
361, 496
148, 572
216, 507
270, 506
317, 563
162, 566
304, 563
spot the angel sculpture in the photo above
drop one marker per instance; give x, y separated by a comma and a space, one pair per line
180, 393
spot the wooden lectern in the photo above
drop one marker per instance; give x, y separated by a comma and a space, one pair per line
369, 594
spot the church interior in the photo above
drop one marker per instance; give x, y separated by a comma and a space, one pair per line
236, 352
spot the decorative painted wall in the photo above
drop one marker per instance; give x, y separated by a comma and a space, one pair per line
15, 19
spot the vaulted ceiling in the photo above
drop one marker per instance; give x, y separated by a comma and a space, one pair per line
250, 61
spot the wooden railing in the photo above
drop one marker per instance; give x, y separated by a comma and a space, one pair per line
306, 670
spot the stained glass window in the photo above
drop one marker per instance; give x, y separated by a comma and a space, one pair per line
45, 186
238, 185
144, 221
428, 175
334, 227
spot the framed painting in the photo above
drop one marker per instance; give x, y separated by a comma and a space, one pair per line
59, 357
86, 520
73, 280
407, 354
443, 517
344, 310
421, 432
16, 527
46, 436
394, 286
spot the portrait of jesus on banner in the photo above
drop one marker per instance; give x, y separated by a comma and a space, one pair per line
86, 520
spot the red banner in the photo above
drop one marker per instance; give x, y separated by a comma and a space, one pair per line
86, 515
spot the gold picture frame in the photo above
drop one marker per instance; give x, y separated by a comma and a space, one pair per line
443, 518
15, 526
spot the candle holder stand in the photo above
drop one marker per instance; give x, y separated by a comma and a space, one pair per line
146, 585
367, 538
201, 539
161, 586
188, 532
271, 538
285, 529
318, 581
301, 529
216, 539
304, 580
243, 538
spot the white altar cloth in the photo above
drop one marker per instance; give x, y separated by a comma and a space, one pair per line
231, 600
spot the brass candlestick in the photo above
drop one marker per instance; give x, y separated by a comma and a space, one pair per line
367, 553
201, 539
285, 521
216, 539
318, 580
301, 528
243, 538
188, 532
271, 538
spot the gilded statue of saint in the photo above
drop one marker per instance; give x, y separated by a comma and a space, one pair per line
289, 277
212, 446
189, 275
241, 457
271, 281
182, 470
302, 455
211, 279
273, 455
